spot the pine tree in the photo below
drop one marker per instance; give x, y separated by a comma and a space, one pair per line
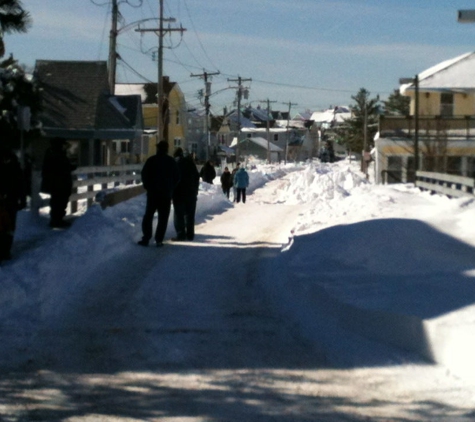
352, 132
151, 92
16, 90
397, 104
13, 18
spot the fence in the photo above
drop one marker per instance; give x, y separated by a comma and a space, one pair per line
95, 184
446, 184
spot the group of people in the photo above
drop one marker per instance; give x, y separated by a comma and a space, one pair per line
167, 180
176, 180
14, 188
238, 179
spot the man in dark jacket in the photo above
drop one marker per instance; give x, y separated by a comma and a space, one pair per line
208, 172
185, 197
160, 176
12, 199
327, 154
57, 180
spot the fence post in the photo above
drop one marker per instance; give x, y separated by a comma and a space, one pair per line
35, 201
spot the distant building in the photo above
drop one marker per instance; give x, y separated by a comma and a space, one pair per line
446, 132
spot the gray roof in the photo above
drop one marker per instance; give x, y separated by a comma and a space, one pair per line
77, 102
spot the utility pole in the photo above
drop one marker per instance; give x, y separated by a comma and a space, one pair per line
161, 31
290, 104
113, 47
239, 80
268, 128
205, 76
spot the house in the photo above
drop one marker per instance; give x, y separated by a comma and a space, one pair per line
78, 106
331, 117
259, 147
288, 135
175, 116
445, 120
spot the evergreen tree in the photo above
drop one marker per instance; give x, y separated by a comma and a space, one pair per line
151, 92
16, 91
352, 132
13, 18
397, 104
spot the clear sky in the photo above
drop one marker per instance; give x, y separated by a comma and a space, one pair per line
313, 53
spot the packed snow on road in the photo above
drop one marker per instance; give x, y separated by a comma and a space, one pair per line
323, 298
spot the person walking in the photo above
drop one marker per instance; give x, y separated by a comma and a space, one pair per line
241, 181
226, 181
160, 176
208, 172
57, 180
185, 197
234, 186
327, 154
12, 199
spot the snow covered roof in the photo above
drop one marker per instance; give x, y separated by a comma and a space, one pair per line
337, 114
262, 142
457, 74
131, 89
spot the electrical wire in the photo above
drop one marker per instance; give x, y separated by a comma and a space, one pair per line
103, 35
105, 3
121, 60
197, 37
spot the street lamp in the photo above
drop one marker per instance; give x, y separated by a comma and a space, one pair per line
415, 82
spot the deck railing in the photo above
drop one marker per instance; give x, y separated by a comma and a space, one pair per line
95, 184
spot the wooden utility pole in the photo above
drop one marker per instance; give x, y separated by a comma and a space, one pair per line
161, 31
113, 47
239, 80
290, 104
268, 128
205, 76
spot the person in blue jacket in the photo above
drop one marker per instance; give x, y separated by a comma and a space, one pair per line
160, 175
241, 181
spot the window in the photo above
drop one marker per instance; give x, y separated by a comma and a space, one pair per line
177, 117
446, 104
177, 142
194, 148
124, 146
454, 165
276, 137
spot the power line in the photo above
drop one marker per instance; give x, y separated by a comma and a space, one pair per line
196, 34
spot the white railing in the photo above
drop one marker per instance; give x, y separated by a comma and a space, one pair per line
95, 184
446, 184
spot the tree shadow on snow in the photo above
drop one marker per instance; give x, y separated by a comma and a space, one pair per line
164, 333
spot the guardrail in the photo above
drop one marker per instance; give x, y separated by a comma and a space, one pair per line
95, 184
446, 184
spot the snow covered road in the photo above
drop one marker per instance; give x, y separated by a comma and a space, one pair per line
187, 333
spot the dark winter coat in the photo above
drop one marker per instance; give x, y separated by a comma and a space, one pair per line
160, 175
241, 179
327, 155
12, 186
56, 172
227, 180
189, 183
208, 173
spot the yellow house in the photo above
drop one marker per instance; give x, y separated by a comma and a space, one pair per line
175, 120
447, 89
446, 125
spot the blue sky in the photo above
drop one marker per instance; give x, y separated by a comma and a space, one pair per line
313, 53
